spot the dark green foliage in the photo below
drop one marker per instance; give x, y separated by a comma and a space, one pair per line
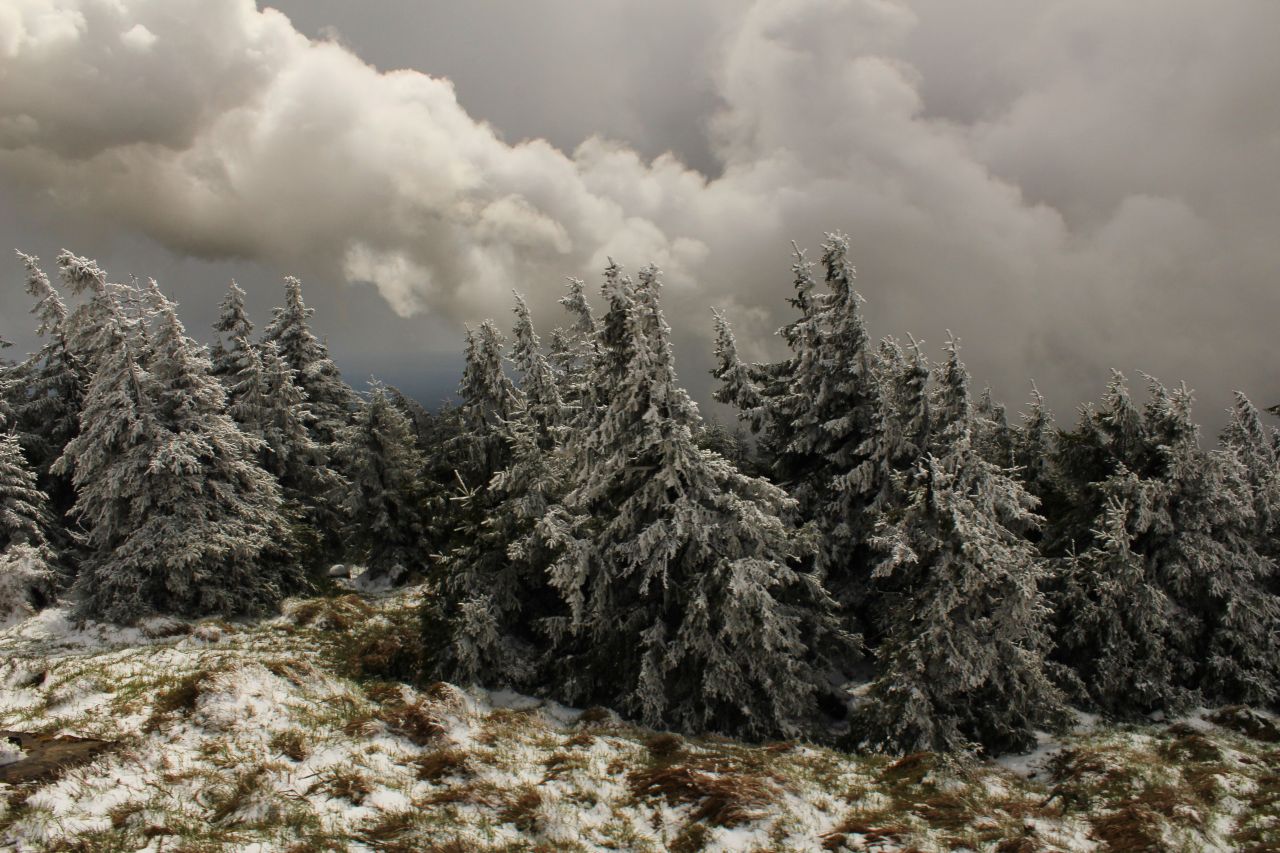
386, 504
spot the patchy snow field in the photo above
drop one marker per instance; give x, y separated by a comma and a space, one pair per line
297, 734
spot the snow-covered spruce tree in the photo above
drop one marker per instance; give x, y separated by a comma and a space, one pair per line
91, 328
488, 397
24, 517
903, 426
1034, 451
1102, 439
1191, 527
900, 439
267, 404
1115, 631
683, 608
737, 388
1200, 542
495, 581
961, 661
331, 400
817, 414
764, 394
420, 419
435, 433
1257, 450
737, 380
52, 387
732, 444
472, 451
178, 518
575, 349
27, 572
538, 387
386, 504
228, 357
993, 437
9, 389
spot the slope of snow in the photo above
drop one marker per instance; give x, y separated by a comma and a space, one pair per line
260, 736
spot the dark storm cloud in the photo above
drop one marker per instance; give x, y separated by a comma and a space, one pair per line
1067, 186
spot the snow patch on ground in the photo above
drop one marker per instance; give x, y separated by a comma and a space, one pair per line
1031, 764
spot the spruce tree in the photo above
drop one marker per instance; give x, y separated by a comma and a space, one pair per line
419, 418
233, 322
682, 606
1034, 454
1115, 627
267, 404
92, 327
737, 385
178, 519
10, 389
1192, 523
462, 631
386, 504
495, 581
332, 401
765, 394
817, 413
964, 636
1199, 540
331, 404
993, 437
575, 349
732, 444
488, 397
24, 518
52, 387
1258, 453
538, 386
27, 573
899, 441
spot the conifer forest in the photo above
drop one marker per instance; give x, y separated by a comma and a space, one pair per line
639, 426
877, 559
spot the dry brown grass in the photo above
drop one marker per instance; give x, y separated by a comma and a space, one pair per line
719, 799
290, 743
1260, 828
580, 739
369, 645
595, 715
226, 802
122, 815
346, 784
295, 672
1186, 744
1246, 721
523, 811
181, 695
444, 763
335, 614
1133, 827
665, 745
472, 793
873, 831
384, 692
421, 722
387, 830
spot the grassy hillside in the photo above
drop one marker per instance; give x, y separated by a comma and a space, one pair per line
298, 734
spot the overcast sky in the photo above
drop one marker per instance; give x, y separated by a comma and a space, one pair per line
1068, 186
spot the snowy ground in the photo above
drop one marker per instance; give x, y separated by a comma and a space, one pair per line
291, 734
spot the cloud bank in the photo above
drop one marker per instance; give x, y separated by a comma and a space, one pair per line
1068, 186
